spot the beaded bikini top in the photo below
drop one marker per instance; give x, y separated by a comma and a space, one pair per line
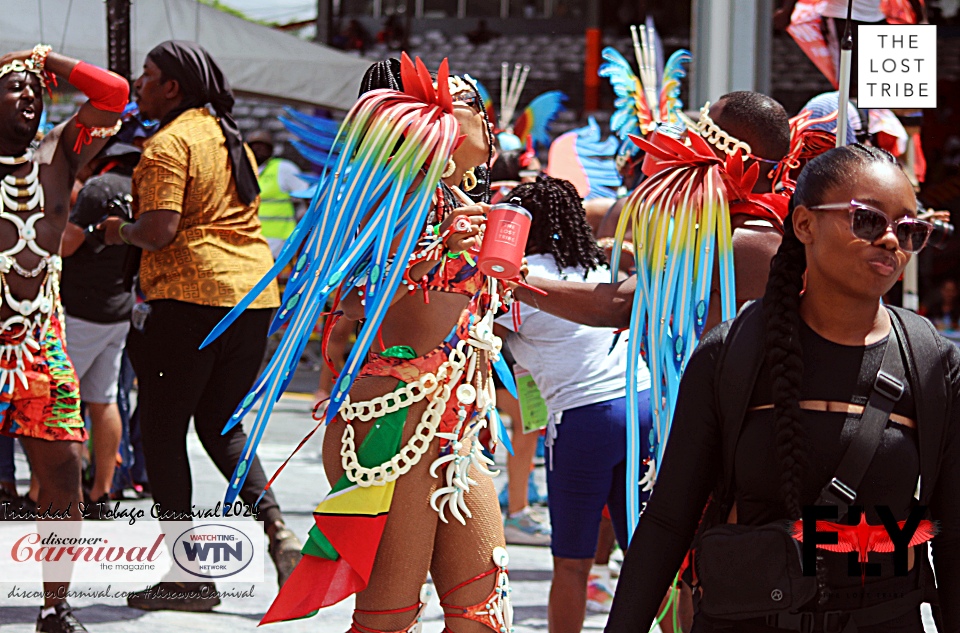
20, 333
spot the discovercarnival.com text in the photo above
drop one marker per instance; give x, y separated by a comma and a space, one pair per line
205, 591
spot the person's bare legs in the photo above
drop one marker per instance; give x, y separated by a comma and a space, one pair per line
463, 552
568, 594
414, 540
34, 492
605, 541
107, 429
403, 557
57, 467
599, 586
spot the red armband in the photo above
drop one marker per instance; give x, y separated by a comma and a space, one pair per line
107, 91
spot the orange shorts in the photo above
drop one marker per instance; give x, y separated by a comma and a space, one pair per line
48, 407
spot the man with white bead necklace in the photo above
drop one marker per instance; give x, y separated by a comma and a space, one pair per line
39, 394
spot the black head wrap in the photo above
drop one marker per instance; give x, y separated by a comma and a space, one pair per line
201, 82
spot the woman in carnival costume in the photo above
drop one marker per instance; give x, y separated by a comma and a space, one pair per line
401, 450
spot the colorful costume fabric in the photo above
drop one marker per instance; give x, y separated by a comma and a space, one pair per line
645, 102
681, 219
342, 545
47, 406
39, 390
375, 215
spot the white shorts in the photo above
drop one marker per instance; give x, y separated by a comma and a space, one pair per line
96, 350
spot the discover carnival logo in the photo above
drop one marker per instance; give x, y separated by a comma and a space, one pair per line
54, 548
213, 551
143, 552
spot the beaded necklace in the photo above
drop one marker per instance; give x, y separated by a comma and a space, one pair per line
20, 334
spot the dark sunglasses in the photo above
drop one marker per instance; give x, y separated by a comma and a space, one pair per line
469, 100
869, 223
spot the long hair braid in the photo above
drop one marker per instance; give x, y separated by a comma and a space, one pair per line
560, 225
482, 172
781, 307
781, 311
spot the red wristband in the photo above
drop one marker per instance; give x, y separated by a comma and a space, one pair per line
107, 91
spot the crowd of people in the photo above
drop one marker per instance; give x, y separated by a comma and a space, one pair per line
146, 244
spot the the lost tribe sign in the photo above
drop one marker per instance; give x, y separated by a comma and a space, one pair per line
897, 66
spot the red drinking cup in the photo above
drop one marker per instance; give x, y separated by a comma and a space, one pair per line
504, 241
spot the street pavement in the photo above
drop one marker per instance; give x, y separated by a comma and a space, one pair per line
298, 490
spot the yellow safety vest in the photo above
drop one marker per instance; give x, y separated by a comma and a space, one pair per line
276, 211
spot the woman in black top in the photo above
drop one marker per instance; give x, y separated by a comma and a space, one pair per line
823, 319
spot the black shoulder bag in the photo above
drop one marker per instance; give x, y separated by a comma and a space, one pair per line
756, 571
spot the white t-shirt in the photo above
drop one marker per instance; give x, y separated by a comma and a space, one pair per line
572, 364
863, 10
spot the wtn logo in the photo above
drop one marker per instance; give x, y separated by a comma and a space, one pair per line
213, 551
221, 551
859, 538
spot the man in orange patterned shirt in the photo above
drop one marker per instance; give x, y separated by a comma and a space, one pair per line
195, 203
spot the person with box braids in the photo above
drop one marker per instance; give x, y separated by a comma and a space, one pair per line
775, 450
554, 204
583, 381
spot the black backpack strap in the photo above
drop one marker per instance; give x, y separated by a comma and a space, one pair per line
928, 375
737, 369
887, 390
927, 372
742, 357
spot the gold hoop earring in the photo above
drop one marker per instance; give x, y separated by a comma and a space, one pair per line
469, 180
449, 168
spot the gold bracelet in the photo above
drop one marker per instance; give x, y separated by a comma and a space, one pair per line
120, 232
39, 56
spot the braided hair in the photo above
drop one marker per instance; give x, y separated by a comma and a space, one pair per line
781, 311
559, 223
781, 308
482, 172
383, 74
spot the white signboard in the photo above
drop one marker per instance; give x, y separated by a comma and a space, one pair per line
897, 66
